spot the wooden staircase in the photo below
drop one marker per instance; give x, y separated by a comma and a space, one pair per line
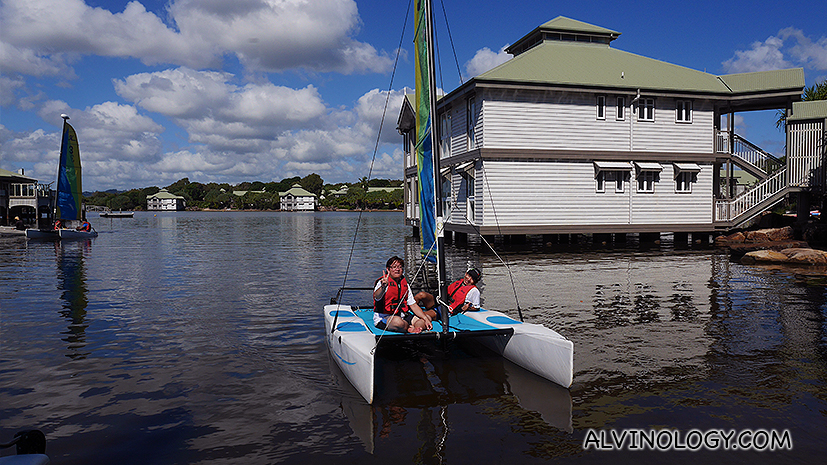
772, 187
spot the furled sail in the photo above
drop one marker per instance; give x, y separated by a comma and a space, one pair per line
424, 136
68, 205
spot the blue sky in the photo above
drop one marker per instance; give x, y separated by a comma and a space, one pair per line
245, 90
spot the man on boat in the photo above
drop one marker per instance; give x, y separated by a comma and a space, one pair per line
463, 296
394, 306
85, 226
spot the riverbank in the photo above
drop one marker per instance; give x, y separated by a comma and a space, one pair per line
771, 246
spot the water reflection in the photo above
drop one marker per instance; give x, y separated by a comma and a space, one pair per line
71, 280
433, 388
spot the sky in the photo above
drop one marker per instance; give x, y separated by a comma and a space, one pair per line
262, 90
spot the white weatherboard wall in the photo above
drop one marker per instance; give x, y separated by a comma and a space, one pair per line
568, 121
523, 193
664, 205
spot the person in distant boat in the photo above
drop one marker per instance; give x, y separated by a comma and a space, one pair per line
463, 296
58, 225
18, 223
85, 226
394, 306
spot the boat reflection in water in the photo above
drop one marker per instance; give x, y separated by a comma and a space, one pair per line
434, 381
71, 280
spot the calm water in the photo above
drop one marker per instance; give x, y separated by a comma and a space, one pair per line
198, 338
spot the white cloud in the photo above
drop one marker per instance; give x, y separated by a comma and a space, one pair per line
270, 35
811, 54
485, 60
109, 134
263, 124
789, 48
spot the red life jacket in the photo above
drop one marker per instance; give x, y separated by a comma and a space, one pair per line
457, 293
393, 294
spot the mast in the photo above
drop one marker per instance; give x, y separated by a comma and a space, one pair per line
435, 139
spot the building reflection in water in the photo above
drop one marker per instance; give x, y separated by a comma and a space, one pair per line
71, 274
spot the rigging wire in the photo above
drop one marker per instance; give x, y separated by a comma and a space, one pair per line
497, 222
372, 161
451, 39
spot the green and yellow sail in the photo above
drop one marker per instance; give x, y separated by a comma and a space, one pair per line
69, 188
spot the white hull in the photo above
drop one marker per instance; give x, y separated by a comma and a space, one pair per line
351, 346
534, 347
42, 234
75, 234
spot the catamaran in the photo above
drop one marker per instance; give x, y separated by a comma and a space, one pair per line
68, 198
353, 338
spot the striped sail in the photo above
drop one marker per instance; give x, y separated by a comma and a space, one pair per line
424, 139
68, 177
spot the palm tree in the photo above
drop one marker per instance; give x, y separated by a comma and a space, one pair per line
817, 91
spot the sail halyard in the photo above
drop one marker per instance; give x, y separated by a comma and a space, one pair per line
69, 188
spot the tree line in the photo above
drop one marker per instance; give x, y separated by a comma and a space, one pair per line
259, 195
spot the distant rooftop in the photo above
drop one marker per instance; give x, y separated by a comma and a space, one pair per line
816, 109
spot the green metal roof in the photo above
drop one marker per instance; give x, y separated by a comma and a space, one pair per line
18, 177
544, 56
297, 191
563, 24
764, 80
815, 109
598, 65
164, 194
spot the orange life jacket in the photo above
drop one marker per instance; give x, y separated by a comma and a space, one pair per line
395, 293
457, 292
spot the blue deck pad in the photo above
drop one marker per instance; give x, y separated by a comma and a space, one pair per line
457, 323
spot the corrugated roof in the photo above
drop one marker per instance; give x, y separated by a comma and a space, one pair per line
12, 174
164, 194
297, 191
561, 62
764, 80
598, 65
815, 109
563, 24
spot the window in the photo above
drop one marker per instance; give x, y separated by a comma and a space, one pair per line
615, 179
445, 134
601, 107
472, 123
470, 195
683, 111
684, 180
621, 108
685, 175
646, 109
446, 195
646, 181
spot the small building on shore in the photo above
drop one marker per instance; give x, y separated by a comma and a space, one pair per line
573, 136
164, 200
23, 197
297, 199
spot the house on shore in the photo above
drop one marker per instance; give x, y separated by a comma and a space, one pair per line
297, 199
164, 200
23, 197
572, 136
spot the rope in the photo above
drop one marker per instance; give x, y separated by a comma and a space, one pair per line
372, 162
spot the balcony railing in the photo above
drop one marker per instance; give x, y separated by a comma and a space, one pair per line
748, 152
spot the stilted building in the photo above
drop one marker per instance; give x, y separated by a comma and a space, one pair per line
573, 136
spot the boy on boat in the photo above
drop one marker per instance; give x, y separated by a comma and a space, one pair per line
394, 306
85, 226
463, 296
